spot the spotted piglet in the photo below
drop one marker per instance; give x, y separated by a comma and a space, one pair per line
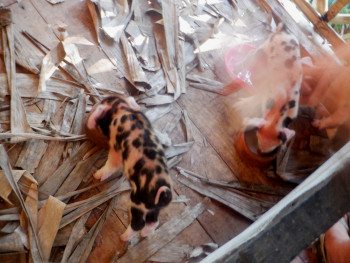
277, 81
133, 144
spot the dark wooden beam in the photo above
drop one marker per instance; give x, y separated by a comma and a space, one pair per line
297, 220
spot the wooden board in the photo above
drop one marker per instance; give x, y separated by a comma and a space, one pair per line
297, 220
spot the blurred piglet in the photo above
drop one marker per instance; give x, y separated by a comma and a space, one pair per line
276, 78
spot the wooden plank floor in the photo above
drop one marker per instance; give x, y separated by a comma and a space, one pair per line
210, 116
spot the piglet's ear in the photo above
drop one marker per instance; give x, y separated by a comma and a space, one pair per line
163, 196
254, 122
97, 112
132, 103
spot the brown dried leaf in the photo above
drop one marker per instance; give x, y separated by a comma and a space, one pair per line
5, 186
163, 138
5, 17
5, 165
56, 89
81, 247
158, 112
170, 126
13, 242
187, 121
9, 227
50, 215
95, 10
112, 49
84, 206
172, 56
5, 136
100, 222
174, 161
49, 65
157, 82
77, 233
10, 217
115, 24
142, 40
157, 100
138, 76
74, 59
79, 172
243, 186
31, 154
55, 1
51, 185
24, 53
241, 203
177, 149
32, 204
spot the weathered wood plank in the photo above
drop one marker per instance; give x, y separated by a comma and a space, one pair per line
221, 223
240, 203
334, 9
297, 220
164, 234
220, 131
108, 244
341, 19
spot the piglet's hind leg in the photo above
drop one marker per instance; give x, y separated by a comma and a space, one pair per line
112, 164
152, 217
149, 229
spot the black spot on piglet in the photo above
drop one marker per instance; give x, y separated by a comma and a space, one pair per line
287, 121
289, 62
293, 42
137, 221
291, 104
136, 143
282, 136
152, 216
165, 198
150, 153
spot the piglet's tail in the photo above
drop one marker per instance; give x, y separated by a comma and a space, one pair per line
163, 196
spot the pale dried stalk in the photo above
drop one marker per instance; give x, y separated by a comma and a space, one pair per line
5, 136
19, 122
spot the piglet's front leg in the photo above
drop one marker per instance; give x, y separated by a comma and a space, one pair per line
128, 234
137, 223
112, 164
